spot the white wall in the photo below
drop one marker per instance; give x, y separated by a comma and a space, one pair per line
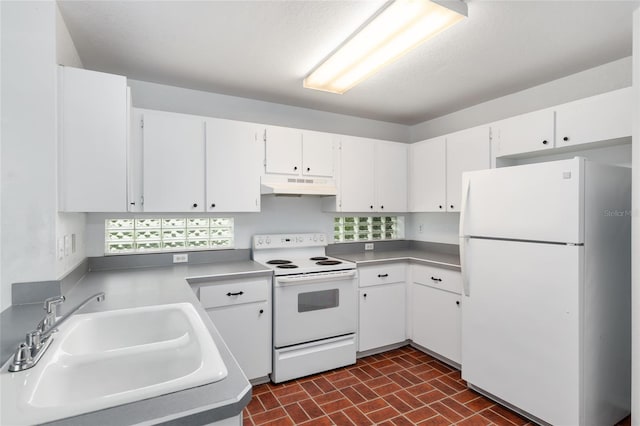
187, 101
28, 143
635, 223
607, 77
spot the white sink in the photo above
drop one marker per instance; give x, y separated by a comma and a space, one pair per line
105, 359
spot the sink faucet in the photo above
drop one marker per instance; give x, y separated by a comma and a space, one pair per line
37, 342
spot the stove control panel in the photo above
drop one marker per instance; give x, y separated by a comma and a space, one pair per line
276, 241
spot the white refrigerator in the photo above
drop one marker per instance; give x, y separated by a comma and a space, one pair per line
546, 316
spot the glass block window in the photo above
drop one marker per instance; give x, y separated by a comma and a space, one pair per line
367, 228
167, 234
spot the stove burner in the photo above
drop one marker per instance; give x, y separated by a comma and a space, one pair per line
287, 266
278, 262
319, 258
328, 262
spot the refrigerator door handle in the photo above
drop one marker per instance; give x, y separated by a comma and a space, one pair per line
463, 266
464, 205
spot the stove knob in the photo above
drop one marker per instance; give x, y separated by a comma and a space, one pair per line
315, 238
260, 241
321, 237
268, 241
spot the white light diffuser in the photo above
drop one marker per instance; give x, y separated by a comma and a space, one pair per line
400, 27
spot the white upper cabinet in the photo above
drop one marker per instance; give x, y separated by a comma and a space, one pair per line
427, 176
467, 151
317, 153
283, 150
356, 186
173, 162
233, 161
524, 133
93, 135
298, 152
597, 118
391, 177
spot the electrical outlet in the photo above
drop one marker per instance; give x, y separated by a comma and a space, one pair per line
368, 246
180, 258
420, 228
67, 245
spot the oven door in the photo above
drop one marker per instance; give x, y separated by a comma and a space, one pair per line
315, 306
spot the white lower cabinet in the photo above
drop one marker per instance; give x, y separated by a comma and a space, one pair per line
436, 310
381, 305
241, 311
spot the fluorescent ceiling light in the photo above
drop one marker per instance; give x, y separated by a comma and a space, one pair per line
396, 29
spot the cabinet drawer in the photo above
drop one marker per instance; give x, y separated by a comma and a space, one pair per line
444, 279
227, 293
382, 274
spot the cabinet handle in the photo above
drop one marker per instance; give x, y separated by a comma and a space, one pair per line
566, 138
295, 168
371, 207
544, 142
213, 205
308, 169
133, 204
195, 204
262, 311
383, 275
235, 294
458, 302
451, 206
436, 279
364, 295
440, 207
381, 207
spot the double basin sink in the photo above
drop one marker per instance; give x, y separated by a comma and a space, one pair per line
105, 359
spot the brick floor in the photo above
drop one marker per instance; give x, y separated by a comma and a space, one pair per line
400, 387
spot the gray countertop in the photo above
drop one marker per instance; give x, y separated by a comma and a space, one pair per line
129, 288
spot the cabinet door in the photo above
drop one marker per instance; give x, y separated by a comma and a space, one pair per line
317, 154
436, 321
173, 162
427, 173
233, 166
283, 150
525, 133
391, 177
381, 316
93, 117
467, 151
598, 118
246, 329
357, 190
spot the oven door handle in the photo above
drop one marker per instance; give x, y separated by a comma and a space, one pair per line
325, 277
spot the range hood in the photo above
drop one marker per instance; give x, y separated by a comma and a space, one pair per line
296, 186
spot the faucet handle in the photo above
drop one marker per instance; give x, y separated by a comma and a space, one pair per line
51, 303
33, 339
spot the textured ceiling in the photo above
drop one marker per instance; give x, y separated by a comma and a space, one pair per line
264, 49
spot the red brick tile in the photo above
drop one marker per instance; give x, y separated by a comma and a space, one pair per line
495, 418
509, 415
465, 396
286, 390
365, 391
401, 361
337, 405
258, 389
379, 381
357, 417
430, 374
419, 389
624, 422
390, 369
340, 419
343, 383
479, 404
324, 385
397, 403
381, 415
475, 420
447, 412
255, 406
373, 405
327, 397
385, 423
282, 421
431, 396
268, 416
444, 388
354, 396
401, 381
311, 408
338, 375
411, 359
452, 383
246, 421
291, 398
360, 374
457, 407
422, 368
435, 421
442, 367
372, 371
296, 413
402, 421
410, 377
409, 399
311, 388
387, 389
321, 421
420, 414
385, 362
